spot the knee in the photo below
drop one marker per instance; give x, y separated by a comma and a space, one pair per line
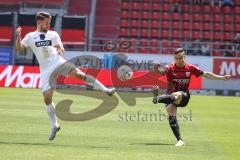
48, 100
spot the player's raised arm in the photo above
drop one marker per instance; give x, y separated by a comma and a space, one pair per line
210, 75
19, 46
158, 68
58, 45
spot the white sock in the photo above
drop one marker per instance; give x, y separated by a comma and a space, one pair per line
50, 109
95, 83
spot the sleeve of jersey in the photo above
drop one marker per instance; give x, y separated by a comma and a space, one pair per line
196, 71
57, 40
25, 41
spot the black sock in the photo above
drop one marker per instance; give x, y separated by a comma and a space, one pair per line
166, 99
174, 126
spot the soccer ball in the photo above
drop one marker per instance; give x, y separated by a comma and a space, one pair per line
124, 73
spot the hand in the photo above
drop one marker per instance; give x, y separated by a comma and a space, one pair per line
226, 77
19, 31
156, 66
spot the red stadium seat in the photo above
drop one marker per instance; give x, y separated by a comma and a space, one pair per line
236, 27
166, 7
154, 33
186, 26
216, 53
236, 10
227, 36
154, 50
6, 34
217, 36
125, 5
227, 10
196, 26
123, 32
216, 18
216, 10
206, 27
196, 8
132, 50
27, 29
156, 7
165, 43
145, 15
196, 35
164, 34
134, 32
134, 23
165, 51
227, 19
186, 16
73, 36
144, 42
165, 25
144, 24
207, 35
135, 15
135, 6
155, 15
154, 42
176, 25
124, 14
186, 35
207, 9
176, 16
144, 50
186, 7
175, 44
206, 18
155, 24
145, 6
166, 16
196, 17
144, 33
124, 23
176, 34
227, 27
216, 27
236, 18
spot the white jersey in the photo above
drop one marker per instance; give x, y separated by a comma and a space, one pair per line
42, 44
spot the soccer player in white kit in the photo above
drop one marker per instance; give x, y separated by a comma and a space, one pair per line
48, 48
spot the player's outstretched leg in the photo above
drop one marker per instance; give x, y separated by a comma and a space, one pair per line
50, 109
172, 110
167, 99
97, 85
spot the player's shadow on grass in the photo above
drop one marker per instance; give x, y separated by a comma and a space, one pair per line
51, 145
153, 144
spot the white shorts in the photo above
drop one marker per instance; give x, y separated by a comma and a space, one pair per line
49, 77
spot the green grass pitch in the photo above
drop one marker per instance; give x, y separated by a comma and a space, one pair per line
213, 133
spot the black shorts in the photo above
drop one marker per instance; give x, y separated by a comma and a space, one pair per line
184, 101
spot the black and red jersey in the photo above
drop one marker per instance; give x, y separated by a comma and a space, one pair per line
179, 78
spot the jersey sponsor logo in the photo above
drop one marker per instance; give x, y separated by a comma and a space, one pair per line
43, 43
182, 81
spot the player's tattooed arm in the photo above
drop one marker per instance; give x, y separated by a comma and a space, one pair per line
19, 46
60, 49
210, 75
158, 68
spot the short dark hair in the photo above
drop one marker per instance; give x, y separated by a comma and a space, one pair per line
41, 15
179, 50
